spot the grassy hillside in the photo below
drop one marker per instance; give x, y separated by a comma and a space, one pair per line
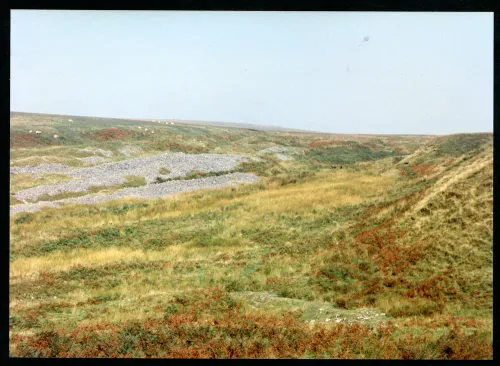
112, 134
381, 259
308, 152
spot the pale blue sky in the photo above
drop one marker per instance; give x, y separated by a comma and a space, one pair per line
424, 73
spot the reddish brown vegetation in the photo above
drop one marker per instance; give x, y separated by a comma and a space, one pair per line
404, 171
200, 329
385, 242
108, 134
24, 139
423, 169
176, 146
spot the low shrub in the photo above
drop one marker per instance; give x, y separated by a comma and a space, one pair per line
23, 219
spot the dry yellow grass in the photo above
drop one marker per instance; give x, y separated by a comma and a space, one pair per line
327, 190
24, 268
456, 175
341, 189
22, 181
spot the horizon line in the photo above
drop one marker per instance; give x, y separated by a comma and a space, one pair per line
269, 127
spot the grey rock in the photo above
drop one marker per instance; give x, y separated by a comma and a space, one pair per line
148, 191
113, 173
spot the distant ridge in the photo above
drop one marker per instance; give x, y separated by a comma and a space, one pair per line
247, 126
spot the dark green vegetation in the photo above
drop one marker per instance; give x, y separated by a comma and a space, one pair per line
456, 145
195, 174
348, 154
378, 260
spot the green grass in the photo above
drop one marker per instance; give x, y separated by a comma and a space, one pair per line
59, 196
347, 154
134, 181
195, 174
456, 145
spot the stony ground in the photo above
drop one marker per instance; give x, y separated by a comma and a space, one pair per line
148, 191
179, 164
113, 173
312, 311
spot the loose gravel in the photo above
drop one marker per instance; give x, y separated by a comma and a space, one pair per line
179, 164
39, 169
149, 191
110, 174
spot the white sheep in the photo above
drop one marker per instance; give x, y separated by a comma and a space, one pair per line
38, 132
70, 120
140, 128
145, 129
171, 123
31, 131
152, 132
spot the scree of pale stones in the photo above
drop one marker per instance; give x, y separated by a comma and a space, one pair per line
113, 173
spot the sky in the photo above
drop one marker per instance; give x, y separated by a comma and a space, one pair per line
419, 73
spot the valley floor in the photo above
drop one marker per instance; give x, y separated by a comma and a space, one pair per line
196, 275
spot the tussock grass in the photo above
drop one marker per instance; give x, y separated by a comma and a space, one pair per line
14, 201
134, 181
32, 160
59, 196
57, 262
